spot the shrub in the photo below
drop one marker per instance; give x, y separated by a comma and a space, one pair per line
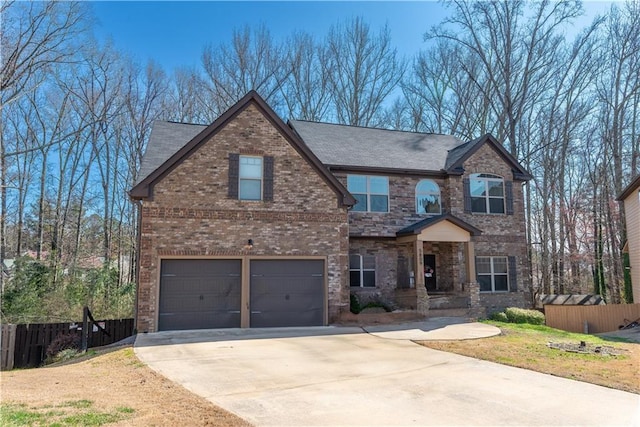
520, 315
499, 316
354, 304
63, 342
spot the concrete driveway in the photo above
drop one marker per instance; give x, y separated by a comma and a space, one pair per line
335, 376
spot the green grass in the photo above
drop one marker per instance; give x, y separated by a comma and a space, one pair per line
72, 413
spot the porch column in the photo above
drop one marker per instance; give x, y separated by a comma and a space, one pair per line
476, 310
470, 258
422, 299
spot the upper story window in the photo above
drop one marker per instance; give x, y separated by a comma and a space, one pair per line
371, 192
250, 186
428, 197
487, 193
250, 177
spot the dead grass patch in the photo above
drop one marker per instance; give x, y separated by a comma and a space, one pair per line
114, 385
526, 346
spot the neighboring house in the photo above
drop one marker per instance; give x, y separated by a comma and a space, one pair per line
630, 196
250, 222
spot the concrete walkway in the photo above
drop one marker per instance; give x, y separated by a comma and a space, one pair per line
337, 376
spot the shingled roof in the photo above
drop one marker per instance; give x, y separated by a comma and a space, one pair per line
343, 145
165, 140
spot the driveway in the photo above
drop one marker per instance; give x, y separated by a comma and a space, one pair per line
334, 376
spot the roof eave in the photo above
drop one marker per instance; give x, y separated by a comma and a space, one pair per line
629, 189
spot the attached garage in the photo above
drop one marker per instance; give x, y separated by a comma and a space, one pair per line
200, 294
287, 293
208, 293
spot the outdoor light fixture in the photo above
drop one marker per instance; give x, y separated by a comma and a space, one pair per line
249, 245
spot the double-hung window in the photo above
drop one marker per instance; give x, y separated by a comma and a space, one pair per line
492, 273
362, 270
487, 193
371, 192
428, 198
250, 185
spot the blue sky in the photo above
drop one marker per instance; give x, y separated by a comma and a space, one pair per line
174, 33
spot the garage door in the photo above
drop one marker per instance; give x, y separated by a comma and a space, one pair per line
287, 293
199, 294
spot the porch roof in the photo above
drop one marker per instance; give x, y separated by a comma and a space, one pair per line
445, 228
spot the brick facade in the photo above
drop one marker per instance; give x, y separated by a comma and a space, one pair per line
190, 214
374, 233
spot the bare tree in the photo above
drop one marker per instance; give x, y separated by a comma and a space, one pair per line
252, 61
306, 90
363, 69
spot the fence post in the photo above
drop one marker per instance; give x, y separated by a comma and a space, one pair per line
85, 328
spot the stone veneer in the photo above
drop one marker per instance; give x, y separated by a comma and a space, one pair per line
502, 235
190, 214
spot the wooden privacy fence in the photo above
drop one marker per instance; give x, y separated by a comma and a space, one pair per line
25, 346
598, 318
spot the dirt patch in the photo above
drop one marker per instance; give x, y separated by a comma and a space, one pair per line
111, 381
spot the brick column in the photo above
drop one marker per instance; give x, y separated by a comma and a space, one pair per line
476, 310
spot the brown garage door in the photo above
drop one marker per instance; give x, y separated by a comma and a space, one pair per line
199, 294
287, 293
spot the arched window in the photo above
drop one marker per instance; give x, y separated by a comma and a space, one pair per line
428, 198
487, 193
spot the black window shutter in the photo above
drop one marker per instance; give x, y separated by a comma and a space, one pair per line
234, 172
513, 275
508, 189
268, 178
466, 187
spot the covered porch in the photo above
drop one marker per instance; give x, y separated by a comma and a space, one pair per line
442, 269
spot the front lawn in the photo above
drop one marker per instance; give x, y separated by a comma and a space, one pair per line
527, 346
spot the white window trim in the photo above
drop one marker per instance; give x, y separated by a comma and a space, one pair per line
428, 193
240, 178
361, 270
369, 193
493, 274
487, 197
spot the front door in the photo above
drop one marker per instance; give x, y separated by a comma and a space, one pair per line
430, 272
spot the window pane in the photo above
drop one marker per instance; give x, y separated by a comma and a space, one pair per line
361, 205
369, 262
354, 278
496, 188
250, 167
485, 283
496, 205
369, 279
354, 262
357, 183
483, 265
379, 204
478, 204
477, 187
379, 185
500, 265
428, 204
501, 283
427, 186
250, 189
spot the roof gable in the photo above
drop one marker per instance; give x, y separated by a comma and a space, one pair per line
420, 226
155, 172
457, 157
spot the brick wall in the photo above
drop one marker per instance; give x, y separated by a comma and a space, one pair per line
190, 214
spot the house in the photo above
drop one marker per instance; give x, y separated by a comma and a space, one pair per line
251, 222
630, 197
